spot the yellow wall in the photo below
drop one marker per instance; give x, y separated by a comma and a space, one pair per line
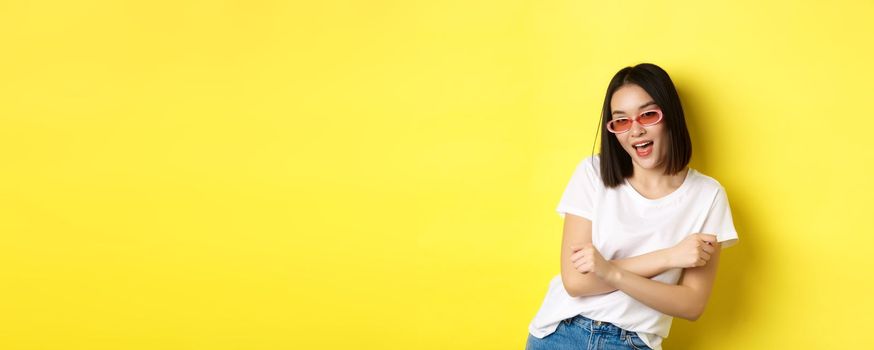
383, 174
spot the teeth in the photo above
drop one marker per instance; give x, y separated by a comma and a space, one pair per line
642, 144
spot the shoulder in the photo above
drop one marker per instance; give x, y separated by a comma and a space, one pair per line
707, 183
591, 164
588, 172
590, 168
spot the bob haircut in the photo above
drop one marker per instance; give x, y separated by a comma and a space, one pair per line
615, 161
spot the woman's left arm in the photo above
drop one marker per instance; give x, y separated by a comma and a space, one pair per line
686, 299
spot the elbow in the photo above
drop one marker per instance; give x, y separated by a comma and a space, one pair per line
691, 317
570, 288
693, 313
574, 288
578, 290
572, 293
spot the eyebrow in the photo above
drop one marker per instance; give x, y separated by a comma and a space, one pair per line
641, 106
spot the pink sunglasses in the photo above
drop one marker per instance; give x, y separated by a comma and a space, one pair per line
621, 125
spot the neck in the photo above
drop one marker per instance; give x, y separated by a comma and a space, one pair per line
656, 178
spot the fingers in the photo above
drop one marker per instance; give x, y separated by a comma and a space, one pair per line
574, 253
576, 256
580, 251
706, 237
582, 267
580, 258
704, 251
576, 247
706, 242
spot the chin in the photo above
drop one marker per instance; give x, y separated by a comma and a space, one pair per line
648, 163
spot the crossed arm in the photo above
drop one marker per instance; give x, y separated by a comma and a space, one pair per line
631, 275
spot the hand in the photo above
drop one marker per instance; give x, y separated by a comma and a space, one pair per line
587, 259
692, 251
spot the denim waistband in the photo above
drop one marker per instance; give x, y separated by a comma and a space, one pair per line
597, 326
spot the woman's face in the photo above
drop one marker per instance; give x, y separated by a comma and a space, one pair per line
629, 101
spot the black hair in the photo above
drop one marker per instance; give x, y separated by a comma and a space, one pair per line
615, 161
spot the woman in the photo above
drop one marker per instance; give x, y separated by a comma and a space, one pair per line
642, 231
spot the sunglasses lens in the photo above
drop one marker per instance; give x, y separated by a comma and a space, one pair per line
649, 118
619, 125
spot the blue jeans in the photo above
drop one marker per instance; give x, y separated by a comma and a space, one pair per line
580, 332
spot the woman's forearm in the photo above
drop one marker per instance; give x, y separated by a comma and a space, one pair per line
645, 265
673, 300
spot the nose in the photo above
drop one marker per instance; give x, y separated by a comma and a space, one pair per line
637, 129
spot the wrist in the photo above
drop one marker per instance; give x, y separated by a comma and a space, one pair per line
667, 259
614, 275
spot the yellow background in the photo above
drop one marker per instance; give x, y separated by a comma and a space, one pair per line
384, 174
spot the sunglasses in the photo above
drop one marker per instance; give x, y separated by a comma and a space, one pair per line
620, 125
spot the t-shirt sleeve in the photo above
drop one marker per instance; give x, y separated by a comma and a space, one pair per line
719, 221
582, 190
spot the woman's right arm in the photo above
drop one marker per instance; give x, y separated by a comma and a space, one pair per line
578, 232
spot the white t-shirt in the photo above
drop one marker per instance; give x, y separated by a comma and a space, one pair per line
627, 224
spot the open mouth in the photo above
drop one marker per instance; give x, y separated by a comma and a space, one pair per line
644, 148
